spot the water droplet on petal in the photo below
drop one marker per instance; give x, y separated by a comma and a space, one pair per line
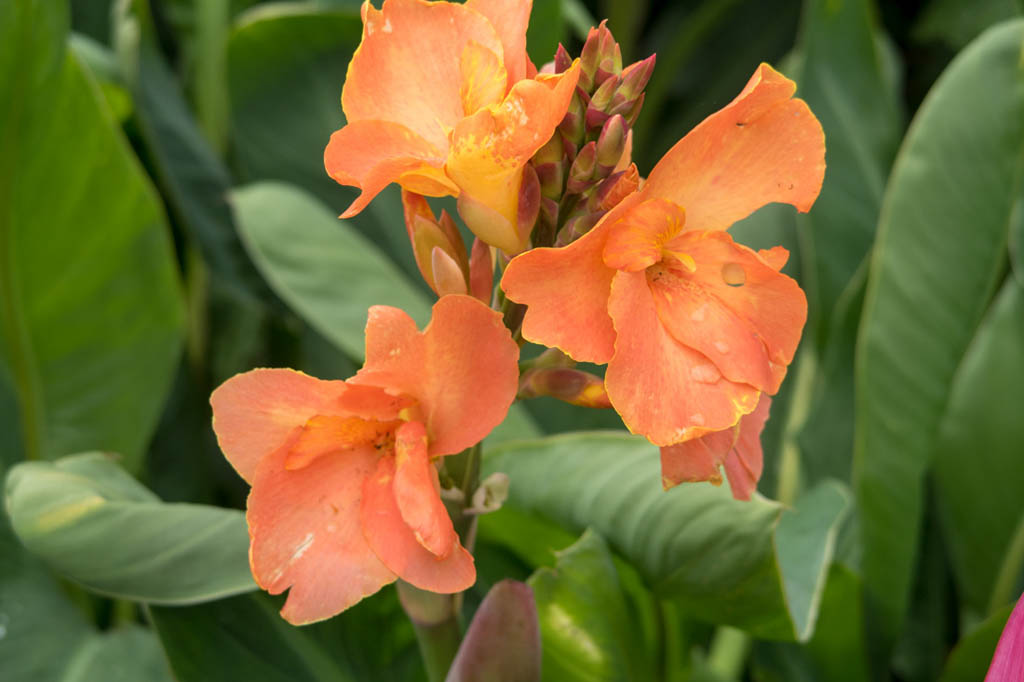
697, 419
698, 314
706, 373
721, 347
733, 274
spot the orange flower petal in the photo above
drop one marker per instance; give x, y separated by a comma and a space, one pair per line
396, 544
771, 304
745, 461
306, 534
661, 388
762, 147
407, 67
566, 293
484, 79
638, 239
255, 413
324, 435
697, 459
417, 492
510, 19
462, 368
371, 155
490, 148
738, 449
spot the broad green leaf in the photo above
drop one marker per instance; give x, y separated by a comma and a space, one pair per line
244, 638
843, 78
320, 266
940, 254
40, 627
286, 65
94, 523
587, 629
978, 471
747, 564
90, 308
970, 659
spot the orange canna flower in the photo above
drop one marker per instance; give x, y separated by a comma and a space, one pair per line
693, 326
442, 99
345, 492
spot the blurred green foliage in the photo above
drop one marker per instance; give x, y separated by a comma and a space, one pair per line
165, 222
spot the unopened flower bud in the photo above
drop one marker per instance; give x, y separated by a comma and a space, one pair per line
573, 124
569, 385
549, 162
529, 202
600, 49
481, 270
426, 233
635, 78
578, 226
581, 174
611, 143
562, 59
448, 276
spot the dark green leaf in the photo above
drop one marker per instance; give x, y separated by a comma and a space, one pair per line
93, 522
286, 66
244, 638
547, 30
940, 254
587, 630
90, 308
744, 563
842, 77
978, 471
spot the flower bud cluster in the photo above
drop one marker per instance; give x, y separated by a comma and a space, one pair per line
585, 168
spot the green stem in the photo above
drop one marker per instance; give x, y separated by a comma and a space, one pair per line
1005, 589
729, 650
435, 620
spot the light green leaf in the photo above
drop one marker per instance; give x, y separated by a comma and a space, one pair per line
129, 654
587, 629
940, 254
94, 523
90, 308
978, 470
747, 564
322, 268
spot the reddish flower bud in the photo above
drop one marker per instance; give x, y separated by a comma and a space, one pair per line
529, 202
635, 78
573, 124
581, 174
611, 144
569, 385
481, 270
562, 59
